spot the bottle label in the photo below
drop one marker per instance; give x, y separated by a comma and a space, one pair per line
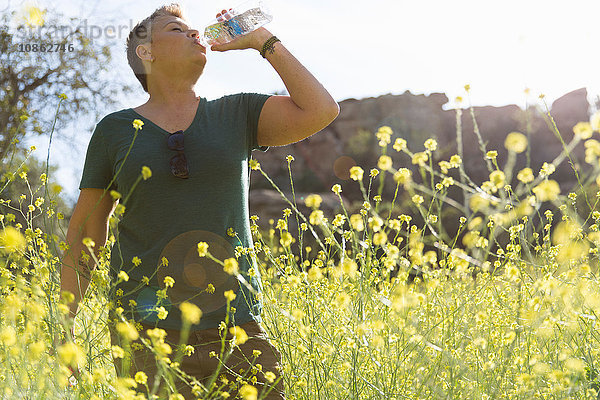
231, 25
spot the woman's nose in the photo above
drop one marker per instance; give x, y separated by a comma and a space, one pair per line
194, 33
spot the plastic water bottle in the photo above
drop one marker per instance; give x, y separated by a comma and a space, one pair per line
243, 19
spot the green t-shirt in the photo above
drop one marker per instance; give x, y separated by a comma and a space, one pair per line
166, 217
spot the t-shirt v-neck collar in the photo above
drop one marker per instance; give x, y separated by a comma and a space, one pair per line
165, 131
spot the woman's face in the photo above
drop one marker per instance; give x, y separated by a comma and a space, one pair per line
175, 45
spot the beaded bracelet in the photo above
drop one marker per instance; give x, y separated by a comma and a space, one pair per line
269, 46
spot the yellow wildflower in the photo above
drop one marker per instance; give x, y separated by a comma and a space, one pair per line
37, 348
444, 166
168, 281
122, 276
138, 123
8, 336
229, 295
516, 142
565, 231
402, 176
455, 161
584, 130
575, 365
146, 172
270, 377
492, 154
399, 144
431, 144
384, 163
375, 223
316, 217
547, 169
338, 220
248, 392
379, 238
420, 158
202, 249
541, 368
189, 350
383, 134
342, 300
572, 251
313, 201
240, 334
12, 240
547, 190
156, 334
141, 377
478, 202
509, 337
447, 181
497, 178
127, 330
162, 313
470, 239
356, 173
592, 151
70, 354
255, 165
286, 239
190, 312
349, 267
231, 266
525, 175
356, 220
512, 272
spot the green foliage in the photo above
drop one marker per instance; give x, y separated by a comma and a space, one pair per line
19, 177
30, 79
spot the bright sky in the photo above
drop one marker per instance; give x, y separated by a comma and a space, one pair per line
369, 48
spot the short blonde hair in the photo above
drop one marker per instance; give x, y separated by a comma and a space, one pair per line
142, 33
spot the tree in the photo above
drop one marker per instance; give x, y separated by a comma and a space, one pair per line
42, 60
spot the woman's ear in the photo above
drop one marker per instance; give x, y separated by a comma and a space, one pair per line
143, 52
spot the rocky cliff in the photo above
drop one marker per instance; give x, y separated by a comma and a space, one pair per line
325, 158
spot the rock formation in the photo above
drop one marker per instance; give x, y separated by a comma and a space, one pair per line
325, 158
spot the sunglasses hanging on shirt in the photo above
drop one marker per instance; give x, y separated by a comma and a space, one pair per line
179, 165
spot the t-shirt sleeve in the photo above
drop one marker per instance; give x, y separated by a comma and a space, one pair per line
254, 103
97, 169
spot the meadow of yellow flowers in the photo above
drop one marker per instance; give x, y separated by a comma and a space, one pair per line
383, 302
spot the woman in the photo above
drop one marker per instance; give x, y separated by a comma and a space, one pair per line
197, 154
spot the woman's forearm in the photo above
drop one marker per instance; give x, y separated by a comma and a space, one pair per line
304, 89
